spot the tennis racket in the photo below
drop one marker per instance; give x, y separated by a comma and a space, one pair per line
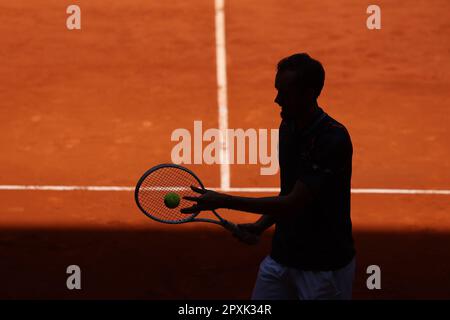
164, 178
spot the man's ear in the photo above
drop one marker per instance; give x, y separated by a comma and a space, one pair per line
310, 93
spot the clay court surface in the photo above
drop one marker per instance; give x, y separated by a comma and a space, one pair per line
97, 107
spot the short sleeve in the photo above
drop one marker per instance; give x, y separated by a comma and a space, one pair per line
329, 161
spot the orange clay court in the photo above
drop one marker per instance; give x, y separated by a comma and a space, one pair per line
97, 106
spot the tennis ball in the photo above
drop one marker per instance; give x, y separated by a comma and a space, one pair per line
172, 200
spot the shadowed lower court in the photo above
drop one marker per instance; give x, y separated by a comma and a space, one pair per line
198, 264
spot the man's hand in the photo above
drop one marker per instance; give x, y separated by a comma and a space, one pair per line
208, 200
252, 233
254, 228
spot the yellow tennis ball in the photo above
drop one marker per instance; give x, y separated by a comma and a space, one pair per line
172, 200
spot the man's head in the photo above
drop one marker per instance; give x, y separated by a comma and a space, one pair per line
299, 81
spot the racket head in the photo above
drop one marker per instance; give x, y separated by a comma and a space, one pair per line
156, 182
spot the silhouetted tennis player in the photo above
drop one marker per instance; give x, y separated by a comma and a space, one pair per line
313, 255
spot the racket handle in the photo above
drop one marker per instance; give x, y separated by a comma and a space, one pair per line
242, 235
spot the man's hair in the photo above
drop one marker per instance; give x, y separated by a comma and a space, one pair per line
310, 72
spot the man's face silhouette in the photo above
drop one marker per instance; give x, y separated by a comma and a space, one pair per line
290, 97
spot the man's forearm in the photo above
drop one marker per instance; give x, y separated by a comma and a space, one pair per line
265, 221
265, 205
281, 205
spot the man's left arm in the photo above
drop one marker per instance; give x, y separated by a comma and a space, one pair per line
274, 206
312, 177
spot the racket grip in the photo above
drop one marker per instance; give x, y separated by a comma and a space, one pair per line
242, 235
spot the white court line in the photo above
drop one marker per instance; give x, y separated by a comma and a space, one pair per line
402, 191
262, 190
65, 188
222, 98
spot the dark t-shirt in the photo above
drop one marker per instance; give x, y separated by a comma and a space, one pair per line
320, 156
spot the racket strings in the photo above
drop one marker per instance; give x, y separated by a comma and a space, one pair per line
158, 184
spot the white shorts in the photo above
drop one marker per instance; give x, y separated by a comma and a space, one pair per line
278, 282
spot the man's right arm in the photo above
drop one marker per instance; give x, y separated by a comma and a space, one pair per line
265, 222
258, 227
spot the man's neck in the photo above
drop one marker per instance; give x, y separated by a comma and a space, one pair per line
305, 119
